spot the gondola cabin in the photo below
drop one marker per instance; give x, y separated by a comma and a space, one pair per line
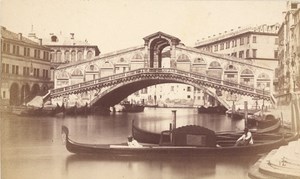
190, 135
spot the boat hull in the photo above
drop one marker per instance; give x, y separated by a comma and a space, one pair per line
157, 150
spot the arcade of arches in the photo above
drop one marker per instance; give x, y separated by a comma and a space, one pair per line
22, 93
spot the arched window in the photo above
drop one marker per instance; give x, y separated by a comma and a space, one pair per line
67, 56
89, 54
79, 55
183, 57
73, 56
58, 56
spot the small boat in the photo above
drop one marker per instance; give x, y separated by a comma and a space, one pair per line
183, 141
129, 107
212, 109
145, 136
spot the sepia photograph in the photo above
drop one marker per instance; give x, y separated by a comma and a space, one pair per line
150, 89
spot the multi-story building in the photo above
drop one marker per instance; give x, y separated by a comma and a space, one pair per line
25, 68
288, 72
258, 44
66, 49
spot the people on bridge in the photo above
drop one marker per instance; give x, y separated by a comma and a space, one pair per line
132, 142
245, 139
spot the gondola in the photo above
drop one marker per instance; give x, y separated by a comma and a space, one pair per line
212, 110
186, 141
129, 107
145, 136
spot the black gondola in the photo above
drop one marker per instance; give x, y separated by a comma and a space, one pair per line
186, 141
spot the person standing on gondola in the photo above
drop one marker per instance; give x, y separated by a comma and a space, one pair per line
245, 139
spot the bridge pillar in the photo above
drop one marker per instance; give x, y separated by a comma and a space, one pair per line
173, 55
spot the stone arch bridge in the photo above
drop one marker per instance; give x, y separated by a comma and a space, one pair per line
107, 79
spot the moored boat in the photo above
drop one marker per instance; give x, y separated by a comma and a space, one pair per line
212, 109
184, 141
145, 136
129, 107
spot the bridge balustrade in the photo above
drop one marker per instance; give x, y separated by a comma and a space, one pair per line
109, 80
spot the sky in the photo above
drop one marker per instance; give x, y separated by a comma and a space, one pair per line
120, 24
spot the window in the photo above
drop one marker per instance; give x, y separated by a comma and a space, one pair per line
4, 47
248, 40
242, 41
230, 75
14, 49
188, 96
246, 79
228, 45
254, 39
17, 69
172, 88
247, 53
7, 68
222, 46
24, 71
3, 68
232, 43
241, 54
37, 72
3, 95
216, 48
254, 51
58, 56
276, 54
13, 69
17, 50
188, 88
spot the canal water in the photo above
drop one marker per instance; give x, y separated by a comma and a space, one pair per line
32, 148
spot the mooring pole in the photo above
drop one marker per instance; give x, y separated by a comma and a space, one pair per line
174, 119
246, 112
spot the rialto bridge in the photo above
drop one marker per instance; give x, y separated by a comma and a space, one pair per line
109, 78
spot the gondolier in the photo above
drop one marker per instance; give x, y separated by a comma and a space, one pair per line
245, 139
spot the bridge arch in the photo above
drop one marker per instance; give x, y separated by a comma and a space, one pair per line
115, 94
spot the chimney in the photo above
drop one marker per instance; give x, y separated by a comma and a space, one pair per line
40, 41
72, 35
20, 36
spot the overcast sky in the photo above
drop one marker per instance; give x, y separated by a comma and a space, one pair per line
118, 24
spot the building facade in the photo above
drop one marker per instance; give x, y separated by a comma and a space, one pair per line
68, 49
25, 68
288, 71
257, 44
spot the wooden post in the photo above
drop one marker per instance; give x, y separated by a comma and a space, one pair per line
174, 119
246, 112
